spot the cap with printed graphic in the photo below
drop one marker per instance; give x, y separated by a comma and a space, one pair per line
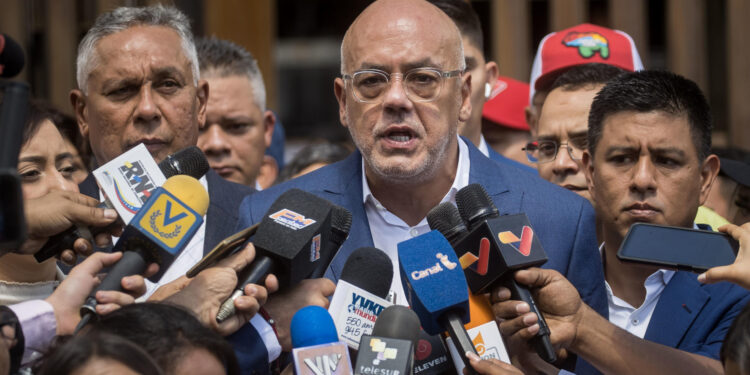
506, 104
581, 44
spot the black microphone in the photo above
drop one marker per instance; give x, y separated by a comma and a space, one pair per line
11, 57
156, 234
360, 294
13, 113
189, 161
341, 222
495, 247
390, 347
290, 243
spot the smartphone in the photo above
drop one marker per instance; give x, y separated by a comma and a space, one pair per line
674, 247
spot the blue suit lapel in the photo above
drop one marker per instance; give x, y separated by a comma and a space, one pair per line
221, 217
679, 305
483, 171
348, 193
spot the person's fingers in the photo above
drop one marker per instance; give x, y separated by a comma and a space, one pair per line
240, 259
104, 309
536, 277
134, 285
68, 257
716, 274
272, 283
151, 270
83, 247
104, 297
96, 262
526, 326
731, 229
93, 216
257, 292
103, 239
327, 287
499, 294
509, 309
490, 366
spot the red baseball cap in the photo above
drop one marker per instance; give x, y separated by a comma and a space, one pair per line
581, 44
506, 104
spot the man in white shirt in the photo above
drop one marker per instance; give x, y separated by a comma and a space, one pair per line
647, 161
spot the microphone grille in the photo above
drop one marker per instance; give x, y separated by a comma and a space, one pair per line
446, 219
189, 161
12, 58
341, 219
474, 204
397, 322
312, 325
370, 269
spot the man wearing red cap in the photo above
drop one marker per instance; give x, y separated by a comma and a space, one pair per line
503, 123
580, 44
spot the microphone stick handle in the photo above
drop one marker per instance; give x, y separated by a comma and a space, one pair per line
131, 263
460, 337
253, 274
540, 342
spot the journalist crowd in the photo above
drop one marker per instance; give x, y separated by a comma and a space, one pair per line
156, 227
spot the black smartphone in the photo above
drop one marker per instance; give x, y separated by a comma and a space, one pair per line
674, 247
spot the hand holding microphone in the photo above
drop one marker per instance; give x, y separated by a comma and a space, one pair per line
494, 249
157, 233
204, 293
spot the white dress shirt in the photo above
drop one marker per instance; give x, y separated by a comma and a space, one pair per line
632, 319
388, 229
483, 146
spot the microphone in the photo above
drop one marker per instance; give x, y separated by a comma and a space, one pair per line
390, 347
11, 57
482, 328
436, 287
189, 161
430, 356
495, 247
13, 113
157, 233
360, 294
289, 243
341, 222
317, 350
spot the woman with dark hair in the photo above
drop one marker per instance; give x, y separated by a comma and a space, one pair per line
178, 342
97, 353
44, 165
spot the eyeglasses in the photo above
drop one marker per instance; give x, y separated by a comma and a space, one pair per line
421, 84
546, 151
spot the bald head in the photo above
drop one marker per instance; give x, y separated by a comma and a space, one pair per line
406, 20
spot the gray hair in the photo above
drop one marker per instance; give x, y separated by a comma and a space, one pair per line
124, 18
223, 58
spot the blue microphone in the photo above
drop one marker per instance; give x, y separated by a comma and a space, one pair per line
436, 288
317, 349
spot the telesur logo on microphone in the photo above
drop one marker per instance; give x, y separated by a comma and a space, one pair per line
291, 219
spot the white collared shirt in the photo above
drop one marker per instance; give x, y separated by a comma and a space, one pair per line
636, 320
483, 146
388, 229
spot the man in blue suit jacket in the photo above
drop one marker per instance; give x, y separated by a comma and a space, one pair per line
138, 83
648, 161
402, 94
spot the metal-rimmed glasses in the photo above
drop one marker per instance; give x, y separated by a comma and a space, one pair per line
420, 84
546, 151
